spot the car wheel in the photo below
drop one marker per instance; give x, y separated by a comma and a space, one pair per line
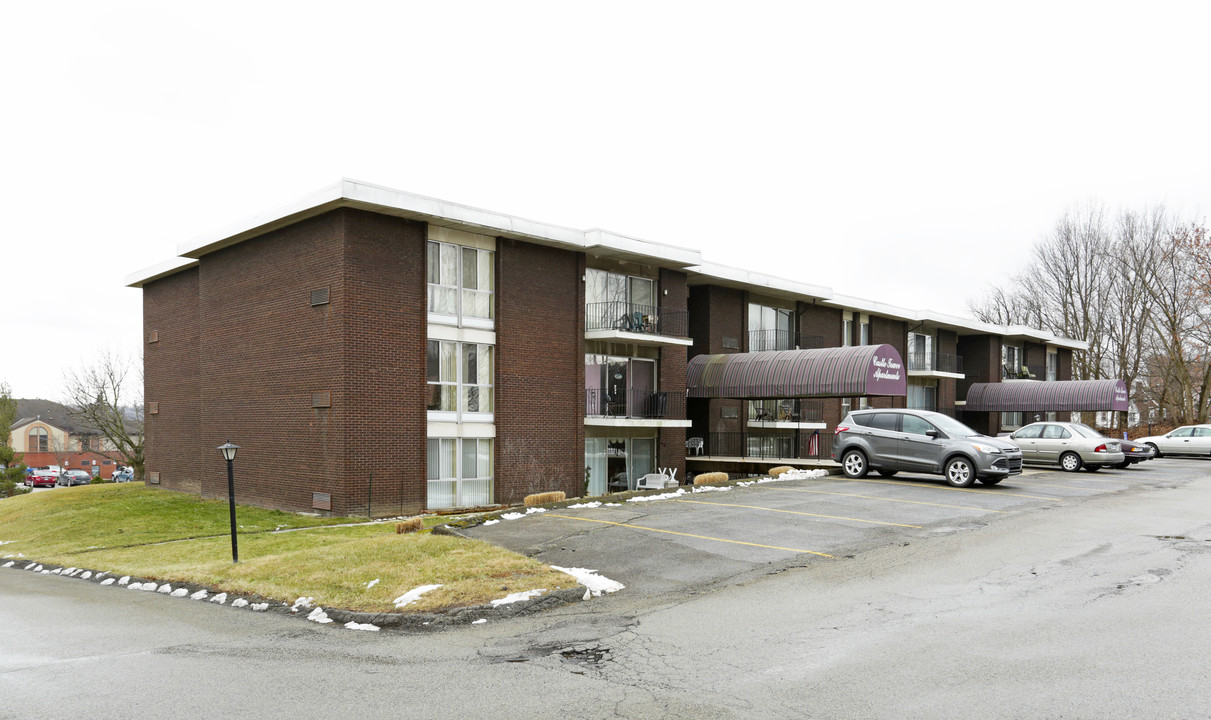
1070, 462
1124, 465
853, 463
1156, 452
888, 473
959, 472
991, 480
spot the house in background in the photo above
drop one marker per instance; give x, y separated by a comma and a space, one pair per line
375, 349
46, 434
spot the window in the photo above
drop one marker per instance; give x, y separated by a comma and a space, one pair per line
922, 397
782, 410
1053, 365
863, 403
1182, 432
1011, 419
1029, 432
38, 440
847, 332
920, 351
602, 286
459, 472
1011, 360
460, 377
461, 281
1202, 432
885, 421
1055, 432
916, 425
864, 333
847, 404
769, 328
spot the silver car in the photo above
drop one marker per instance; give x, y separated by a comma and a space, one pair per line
1067, 444
1185, 440
889, 441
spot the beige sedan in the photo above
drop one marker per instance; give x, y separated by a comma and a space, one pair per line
1067, 444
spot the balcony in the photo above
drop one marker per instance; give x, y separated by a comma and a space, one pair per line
776, 445
789, 414
1025, 372
945, 365
635, 408
759, 340
642, 324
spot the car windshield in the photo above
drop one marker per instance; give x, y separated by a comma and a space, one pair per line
1085, 430
952, 427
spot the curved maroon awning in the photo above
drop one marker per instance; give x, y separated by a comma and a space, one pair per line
1058, 395
816, 372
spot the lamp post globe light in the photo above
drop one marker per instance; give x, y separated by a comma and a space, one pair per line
228, 450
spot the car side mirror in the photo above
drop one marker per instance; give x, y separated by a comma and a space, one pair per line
932, 433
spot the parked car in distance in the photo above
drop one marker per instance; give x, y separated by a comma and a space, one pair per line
1185, 440
71, 478
123, 475
1067, 444
892, 440
42, 478
1134, 452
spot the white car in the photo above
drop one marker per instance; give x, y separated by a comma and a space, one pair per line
1185, 440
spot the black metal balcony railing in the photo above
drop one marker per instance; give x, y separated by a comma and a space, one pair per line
643, 404
1024, 372
801, 411
629, 317
941, 362
815, 445
759, 340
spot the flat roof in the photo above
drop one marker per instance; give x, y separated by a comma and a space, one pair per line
601, 243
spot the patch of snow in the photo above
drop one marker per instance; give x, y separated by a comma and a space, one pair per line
46, 572
56, 571
199, 595
179, 592
125, 579
613, 504
87, 574
361, 626
480, 621
318, 615
413, 595
662, 496
6, 542
9, 563
512, 516
591, 580
531, 511
149, 587
220, 598
587, 594
710, 488
302, 603
490, 522
68, 571
165, 588
135, 586
577, 506
517, 597
38, 568
372, 583
260, 607
239, 602
107, 581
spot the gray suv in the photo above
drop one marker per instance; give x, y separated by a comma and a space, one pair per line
889, 441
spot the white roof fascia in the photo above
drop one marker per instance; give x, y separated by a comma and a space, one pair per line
761, 281
610, 244
848, 302
159, 270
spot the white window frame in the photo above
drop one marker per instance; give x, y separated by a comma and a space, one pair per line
460, 412
766, 314
461, 498
928, 351
485, 258
1053, 366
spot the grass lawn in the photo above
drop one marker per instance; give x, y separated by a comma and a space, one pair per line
128, 529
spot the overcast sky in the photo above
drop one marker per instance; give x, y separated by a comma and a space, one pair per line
905, 152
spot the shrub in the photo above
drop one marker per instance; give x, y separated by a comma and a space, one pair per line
410, 525
544, 498
775, 472
712, 478
8, 488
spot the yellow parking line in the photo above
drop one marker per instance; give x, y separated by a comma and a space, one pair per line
1044, 483
796, 512
876, 497
945, 487
700, 537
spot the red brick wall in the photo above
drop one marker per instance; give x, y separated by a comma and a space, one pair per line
264, 350
825, 322
673, 359
382, 403
981, 364
540, 400
947, 387
170, 378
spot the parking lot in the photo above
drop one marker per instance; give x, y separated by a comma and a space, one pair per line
706, 538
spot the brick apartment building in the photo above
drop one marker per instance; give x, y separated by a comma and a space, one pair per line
377, 351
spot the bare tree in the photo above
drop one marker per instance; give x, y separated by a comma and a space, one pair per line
107, 395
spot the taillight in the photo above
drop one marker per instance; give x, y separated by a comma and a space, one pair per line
840, 429
1100, 448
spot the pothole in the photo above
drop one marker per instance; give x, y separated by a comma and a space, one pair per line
589, 656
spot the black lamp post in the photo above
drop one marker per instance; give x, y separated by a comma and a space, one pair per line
228, 451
